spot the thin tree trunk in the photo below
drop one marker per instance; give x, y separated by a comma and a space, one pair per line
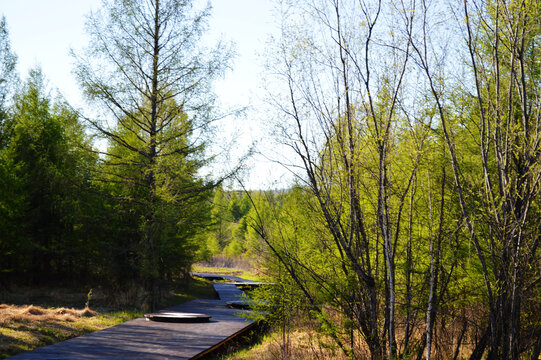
429, 310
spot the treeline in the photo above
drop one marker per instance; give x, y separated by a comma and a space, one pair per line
231, 233
128, 211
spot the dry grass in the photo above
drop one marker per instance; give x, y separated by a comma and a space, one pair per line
237, 266
298, 344
14, 313
24, 328
222, 261
304, 341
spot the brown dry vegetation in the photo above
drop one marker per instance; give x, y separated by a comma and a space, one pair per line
24, 328
298, 344
304, 340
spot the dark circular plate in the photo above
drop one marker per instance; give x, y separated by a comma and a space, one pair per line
178, 317
240, 304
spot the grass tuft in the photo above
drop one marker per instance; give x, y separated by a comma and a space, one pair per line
34, 310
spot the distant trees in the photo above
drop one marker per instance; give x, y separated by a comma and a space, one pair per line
146, 68
228, 232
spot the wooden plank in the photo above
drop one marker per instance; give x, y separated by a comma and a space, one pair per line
228, 292
141, 339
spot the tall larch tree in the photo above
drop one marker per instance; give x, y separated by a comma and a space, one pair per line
145, 68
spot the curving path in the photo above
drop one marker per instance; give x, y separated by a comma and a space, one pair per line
142, 339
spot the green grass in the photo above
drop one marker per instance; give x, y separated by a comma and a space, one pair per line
196, 289
245, 274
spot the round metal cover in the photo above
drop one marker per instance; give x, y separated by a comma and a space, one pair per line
178, 317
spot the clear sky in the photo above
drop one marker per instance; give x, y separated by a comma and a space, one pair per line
43, 31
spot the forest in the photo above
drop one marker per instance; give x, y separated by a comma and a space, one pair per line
411, 229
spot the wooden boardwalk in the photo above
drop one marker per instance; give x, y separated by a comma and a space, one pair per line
142, 339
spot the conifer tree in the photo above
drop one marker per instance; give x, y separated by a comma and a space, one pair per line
146, 69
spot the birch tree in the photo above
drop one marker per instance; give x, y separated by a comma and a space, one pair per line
345, 68
499, 203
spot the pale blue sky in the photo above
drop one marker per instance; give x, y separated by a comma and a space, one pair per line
43, 31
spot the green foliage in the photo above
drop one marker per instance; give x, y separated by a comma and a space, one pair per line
230, 230
412, 194
47, 169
